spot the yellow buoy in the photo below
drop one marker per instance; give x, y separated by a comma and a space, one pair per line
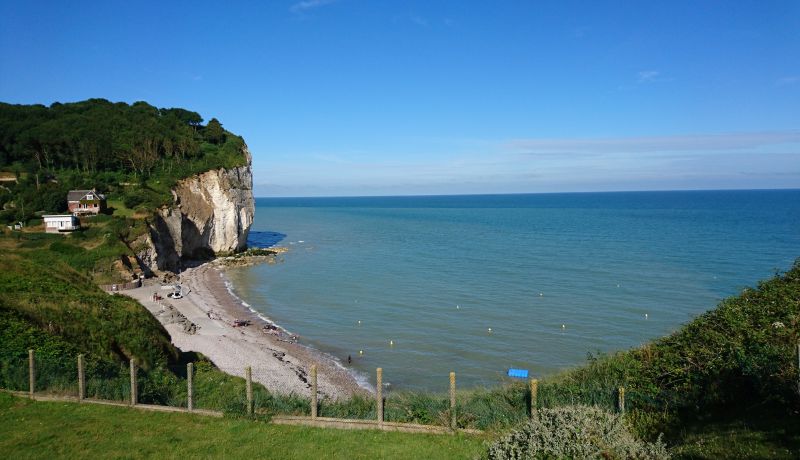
391, 343
361, 352
563, 326
490, 330
359, 321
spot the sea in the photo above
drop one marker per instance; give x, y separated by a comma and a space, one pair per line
424, 285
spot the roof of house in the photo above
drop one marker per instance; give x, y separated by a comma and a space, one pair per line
78, 195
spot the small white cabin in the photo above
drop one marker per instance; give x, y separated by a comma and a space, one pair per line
61, 223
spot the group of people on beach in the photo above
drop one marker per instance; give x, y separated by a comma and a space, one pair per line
274, 330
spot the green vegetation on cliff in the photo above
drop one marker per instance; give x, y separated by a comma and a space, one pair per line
134, 153
49, 303
43, 289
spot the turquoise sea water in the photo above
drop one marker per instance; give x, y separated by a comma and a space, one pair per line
433, 274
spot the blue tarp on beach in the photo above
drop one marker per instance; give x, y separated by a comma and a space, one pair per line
518, 373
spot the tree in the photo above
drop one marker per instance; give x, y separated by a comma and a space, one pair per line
143, 156
214, 132
184, 116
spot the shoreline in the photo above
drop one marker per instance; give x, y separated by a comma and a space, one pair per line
266, 323
203, 321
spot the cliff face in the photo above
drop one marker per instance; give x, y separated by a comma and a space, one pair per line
211, 215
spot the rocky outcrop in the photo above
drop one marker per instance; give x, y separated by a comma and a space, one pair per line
211, 215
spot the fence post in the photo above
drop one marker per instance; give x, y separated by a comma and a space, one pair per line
314, 391
453, 400
31, 374
248, 373
379, 394
134, 398
534, 396
621, 400
190, 386
81, 379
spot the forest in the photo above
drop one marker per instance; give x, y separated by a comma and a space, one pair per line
134, 152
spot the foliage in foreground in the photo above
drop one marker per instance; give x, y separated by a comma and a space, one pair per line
752, 433
575, 432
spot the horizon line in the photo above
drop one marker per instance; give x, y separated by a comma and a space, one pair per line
539, 193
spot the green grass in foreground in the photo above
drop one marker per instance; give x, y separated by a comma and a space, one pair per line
69, 430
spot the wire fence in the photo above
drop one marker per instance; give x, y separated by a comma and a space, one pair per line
199, 386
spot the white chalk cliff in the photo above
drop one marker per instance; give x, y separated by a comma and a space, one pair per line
211, 215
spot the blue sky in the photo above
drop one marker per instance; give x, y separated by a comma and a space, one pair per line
358, 97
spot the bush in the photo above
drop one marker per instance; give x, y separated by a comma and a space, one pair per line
575, 432
134, 199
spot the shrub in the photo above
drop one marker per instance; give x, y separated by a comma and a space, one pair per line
575, 432
134, 199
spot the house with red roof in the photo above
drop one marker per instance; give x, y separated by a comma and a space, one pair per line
86, 202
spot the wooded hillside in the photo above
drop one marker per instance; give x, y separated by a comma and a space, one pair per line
45, 151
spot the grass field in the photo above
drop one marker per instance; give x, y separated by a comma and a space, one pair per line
120, 210
69, 430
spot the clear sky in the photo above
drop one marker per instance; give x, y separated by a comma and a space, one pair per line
361, 97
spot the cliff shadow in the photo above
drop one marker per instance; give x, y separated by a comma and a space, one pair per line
195, 250
167, 256
264, 239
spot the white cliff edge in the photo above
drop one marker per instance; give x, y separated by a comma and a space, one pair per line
211, 215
